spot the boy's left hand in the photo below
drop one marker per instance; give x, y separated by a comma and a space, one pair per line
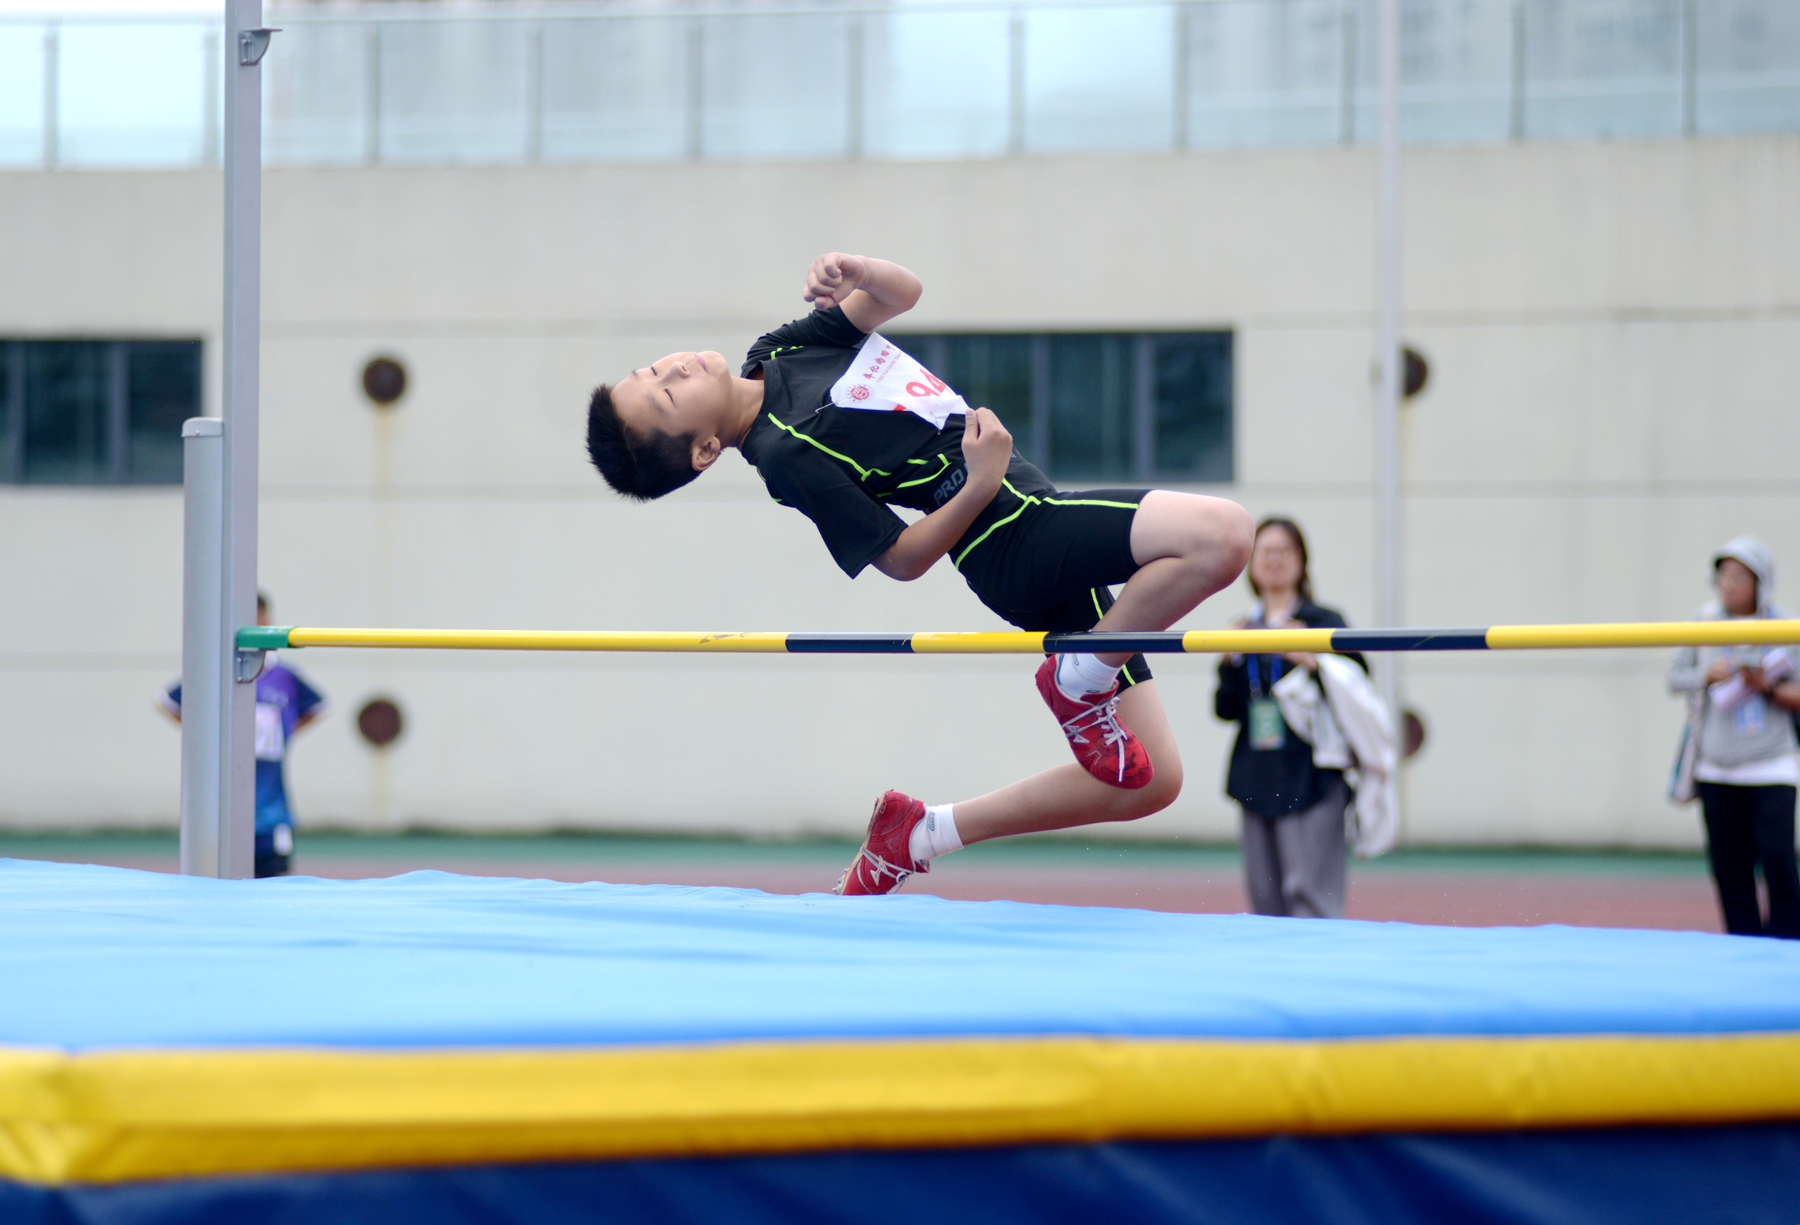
833, 277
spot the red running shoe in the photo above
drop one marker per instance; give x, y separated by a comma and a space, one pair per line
885, 860
1104, 746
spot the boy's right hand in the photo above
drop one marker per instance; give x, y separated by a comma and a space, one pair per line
987, 450
833, 277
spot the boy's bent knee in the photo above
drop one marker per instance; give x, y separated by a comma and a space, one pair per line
1213, 534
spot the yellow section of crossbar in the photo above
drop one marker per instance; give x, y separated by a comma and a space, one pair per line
1741, 632
540, 640
993, 642
1260, 642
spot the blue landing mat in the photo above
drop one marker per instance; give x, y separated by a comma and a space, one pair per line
104, 958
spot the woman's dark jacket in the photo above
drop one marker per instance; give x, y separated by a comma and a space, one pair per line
1273, 782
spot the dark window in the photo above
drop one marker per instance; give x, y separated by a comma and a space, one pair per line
1131, 406
95, 412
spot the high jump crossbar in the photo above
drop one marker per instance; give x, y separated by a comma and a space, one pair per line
1170, 642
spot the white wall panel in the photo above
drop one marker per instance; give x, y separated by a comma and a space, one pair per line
1614, 333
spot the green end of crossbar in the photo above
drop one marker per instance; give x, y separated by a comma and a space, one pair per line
263, 637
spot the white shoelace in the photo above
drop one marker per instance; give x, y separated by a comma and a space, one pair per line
1105, 717
882, 868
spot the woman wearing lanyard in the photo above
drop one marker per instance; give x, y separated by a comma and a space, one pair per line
1293, 831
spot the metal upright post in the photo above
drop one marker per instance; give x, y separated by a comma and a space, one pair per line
1387, 334
1181, 91
693, 90
1690, 66
1515, 109
1015, 84
372, 95
853, 87
534, 94
52, 96
222, 739
205, 679
209, 119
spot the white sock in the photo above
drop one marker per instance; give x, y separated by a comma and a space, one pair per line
935, 835
1079, 675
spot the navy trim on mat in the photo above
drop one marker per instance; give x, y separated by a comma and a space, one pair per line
1745, 1175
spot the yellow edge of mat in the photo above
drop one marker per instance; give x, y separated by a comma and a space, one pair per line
115, 1116
1741, 632
1261, 642
540, 640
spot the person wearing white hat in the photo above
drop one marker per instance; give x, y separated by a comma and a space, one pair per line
1738, 756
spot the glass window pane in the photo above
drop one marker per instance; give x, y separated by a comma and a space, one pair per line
615, 89
453, 91
1749, 66
1091, 386
1602, 68
164, 392
1455, 72
1099, 78
66, 440
935, 83
21, 94
132, 95
1193, 406
774, 86
316, 93
994, 372
1265, 72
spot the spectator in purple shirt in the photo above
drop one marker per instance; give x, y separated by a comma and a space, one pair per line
284, 704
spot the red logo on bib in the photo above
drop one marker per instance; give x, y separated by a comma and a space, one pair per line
859, 392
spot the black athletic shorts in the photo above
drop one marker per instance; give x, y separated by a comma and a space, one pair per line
1050, 568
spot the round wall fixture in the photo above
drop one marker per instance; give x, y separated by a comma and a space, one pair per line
1417, 372
380, 722
1412, 734
384, 380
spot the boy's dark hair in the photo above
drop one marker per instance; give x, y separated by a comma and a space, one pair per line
641, 468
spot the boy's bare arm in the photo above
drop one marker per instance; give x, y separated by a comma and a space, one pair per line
987, 449
871, 291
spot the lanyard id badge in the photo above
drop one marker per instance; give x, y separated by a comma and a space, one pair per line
1268, 730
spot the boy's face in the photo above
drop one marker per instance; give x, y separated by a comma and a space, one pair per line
683, 393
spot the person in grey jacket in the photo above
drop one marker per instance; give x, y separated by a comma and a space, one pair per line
1742, 702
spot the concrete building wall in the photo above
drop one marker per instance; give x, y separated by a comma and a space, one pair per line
1614, 332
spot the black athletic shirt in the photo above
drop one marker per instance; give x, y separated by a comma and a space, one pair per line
844, 468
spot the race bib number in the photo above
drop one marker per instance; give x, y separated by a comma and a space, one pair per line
885, 379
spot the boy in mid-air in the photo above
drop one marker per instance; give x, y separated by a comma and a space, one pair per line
843, 425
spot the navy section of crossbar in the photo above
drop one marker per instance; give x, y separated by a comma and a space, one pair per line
849, 644
1409, 640
1168, 642
1164, 643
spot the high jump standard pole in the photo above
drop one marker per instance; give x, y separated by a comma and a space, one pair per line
218, 685
1387, 340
